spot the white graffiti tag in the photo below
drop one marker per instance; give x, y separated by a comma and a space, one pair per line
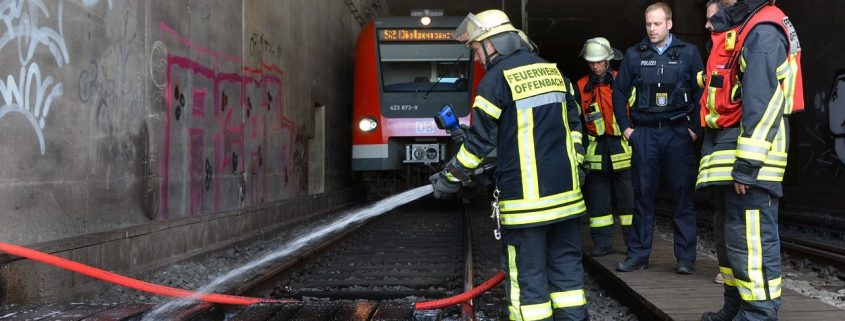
31, 94
24, 27
17, 98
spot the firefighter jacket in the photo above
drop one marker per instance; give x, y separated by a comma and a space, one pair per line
606, 148
747, 98
526, 109
658, 87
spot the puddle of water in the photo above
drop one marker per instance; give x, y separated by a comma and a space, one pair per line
162, 311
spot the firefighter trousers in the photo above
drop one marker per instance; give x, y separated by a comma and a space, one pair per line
545, 278
748, 247
602, 187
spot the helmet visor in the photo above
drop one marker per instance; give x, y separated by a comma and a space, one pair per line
469, 29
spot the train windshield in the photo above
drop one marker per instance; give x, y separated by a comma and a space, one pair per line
415, 67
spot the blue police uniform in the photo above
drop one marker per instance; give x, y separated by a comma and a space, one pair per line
660, 86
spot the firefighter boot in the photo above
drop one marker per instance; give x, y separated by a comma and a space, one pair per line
729, 309
763, 310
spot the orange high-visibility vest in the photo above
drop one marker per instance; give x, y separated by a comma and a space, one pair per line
721, 101
597, 108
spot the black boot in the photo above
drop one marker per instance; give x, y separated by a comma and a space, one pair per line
729, 308
715, 316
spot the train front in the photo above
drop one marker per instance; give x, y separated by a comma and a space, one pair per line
405, 72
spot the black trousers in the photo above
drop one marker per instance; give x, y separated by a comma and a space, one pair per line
606, 192
545, 278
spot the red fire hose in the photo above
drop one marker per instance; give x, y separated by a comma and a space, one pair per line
463, 297
126, 281
210, 297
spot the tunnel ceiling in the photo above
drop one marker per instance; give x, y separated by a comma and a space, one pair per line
560, 27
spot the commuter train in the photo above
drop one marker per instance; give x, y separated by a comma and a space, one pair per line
405, 72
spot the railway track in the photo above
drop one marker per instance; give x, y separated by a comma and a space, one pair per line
421, 251
418, 252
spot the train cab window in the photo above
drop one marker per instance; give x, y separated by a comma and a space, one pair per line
423, 67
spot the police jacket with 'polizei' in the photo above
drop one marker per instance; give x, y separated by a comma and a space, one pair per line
663, 87
525, 108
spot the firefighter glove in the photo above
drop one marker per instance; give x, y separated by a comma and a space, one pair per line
458, 133
443, 187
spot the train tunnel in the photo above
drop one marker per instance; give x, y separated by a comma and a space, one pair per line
137, 134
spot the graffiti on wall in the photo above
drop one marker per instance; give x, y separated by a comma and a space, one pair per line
109, 82
93, 3
227, 141
821, 158
264, 49
29, 93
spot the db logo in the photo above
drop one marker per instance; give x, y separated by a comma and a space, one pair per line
425, 127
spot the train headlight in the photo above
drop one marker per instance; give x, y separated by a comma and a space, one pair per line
367, 124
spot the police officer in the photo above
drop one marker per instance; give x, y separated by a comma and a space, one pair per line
608, 155
752, 81
526, 109
657, 80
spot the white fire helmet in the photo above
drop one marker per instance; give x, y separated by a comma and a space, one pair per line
482, 26
599, 49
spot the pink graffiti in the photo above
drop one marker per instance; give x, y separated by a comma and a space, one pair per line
199, 103
233, 154
199, 49
197, 170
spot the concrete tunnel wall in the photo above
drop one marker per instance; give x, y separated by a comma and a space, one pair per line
139, 132
815, 175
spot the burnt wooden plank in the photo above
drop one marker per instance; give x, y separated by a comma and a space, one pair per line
39, 312
364, 275
314, 312
81, 311
286, 312
120, 312
257, 312
393, 312
410, 283
354, 311
371, 294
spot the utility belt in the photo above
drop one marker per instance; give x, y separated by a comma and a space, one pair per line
659, 98
661, 123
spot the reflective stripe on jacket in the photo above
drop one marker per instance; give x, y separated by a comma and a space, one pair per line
752, 149
526, 109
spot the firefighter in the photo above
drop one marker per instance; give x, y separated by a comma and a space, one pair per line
526, 109
752, 82
657, 80
608, 155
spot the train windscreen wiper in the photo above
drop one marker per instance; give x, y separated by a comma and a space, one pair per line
441, 78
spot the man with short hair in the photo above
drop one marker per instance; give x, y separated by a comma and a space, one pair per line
526, 109
753, 81
657, 80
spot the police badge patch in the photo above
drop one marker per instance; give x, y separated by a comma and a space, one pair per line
662, 99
